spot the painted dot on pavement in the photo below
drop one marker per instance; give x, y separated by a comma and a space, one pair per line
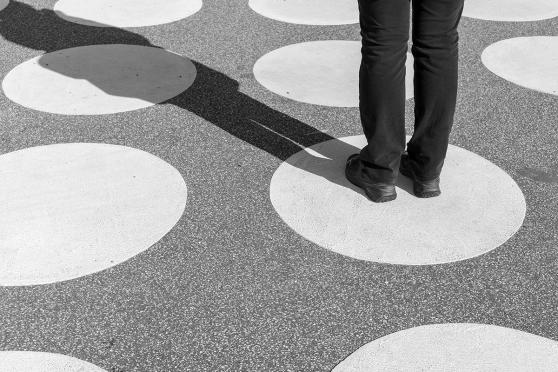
69, 210
308, 12
318, 72
99, 79
33, 361
480, 208
530, 62
4, 3
126, 13
511, 10
459, 347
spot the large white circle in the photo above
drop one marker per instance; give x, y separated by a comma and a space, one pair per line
4, 3
33, 361
479, 209
318, 72
126, 13
70, 210
308, 12
455, 347
531, 62
511, 10
99, 79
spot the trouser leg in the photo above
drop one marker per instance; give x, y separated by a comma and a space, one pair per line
435, 51
385, 33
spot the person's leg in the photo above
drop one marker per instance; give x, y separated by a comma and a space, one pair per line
385, 34
435, 50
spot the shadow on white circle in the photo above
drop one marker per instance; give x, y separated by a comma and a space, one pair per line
34, 361
308, 12
99, 79
511, 10
4, 3
69, 210
318, 72
126, 13
531, 62
480, 208
459, 347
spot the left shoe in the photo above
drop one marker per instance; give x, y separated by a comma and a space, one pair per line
379, 192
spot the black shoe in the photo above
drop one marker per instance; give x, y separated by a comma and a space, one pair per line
377, 192
422, 189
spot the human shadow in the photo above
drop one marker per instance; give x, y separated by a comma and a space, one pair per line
213, 96
104, 67
44, 30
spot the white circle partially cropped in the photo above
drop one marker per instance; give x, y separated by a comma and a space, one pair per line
69, 210
480, 208
33, 361
530, 62
126, 13
318, 72
511, 10
99, 79
308, 12
4, 3
460, 347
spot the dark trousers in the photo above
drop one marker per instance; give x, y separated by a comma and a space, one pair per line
385, 34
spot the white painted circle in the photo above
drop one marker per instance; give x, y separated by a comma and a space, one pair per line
530, 62
99, 79
318, 72
69, 210
511, 10
126, 13
455, 347
308, 12
480, 208
33, 361
4, 3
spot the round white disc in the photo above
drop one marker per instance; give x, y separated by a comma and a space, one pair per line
318, 72
4, 3
33, 361
457, 347
125, 13
480, 208
70, 210
308, 12
511, 10
99, 79
531, 62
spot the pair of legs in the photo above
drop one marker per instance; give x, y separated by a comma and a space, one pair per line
385, 34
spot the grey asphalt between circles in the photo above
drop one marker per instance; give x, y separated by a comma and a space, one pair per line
232, 287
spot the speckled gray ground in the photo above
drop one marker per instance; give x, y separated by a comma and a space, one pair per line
233, 288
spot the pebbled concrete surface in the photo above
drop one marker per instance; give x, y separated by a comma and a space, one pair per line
231, 287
